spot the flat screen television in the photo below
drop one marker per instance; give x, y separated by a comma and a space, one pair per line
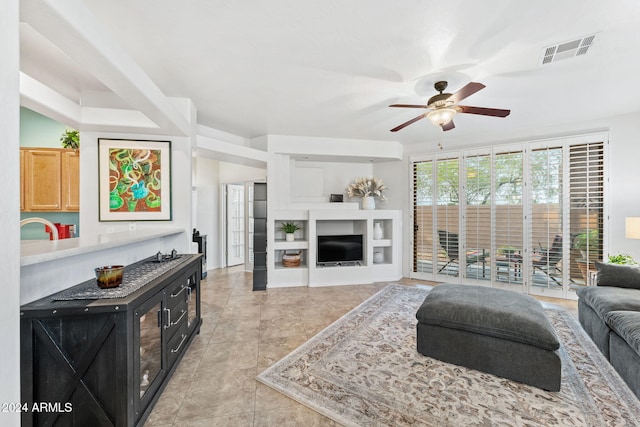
340, 248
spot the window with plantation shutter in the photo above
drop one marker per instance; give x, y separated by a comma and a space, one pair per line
546, 217
529, 217
586, 207
508, 217
447, 216
477, 215
436, 216
423, 243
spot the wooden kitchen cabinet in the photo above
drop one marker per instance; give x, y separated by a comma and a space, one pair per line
50, 180
21, 180
70, 180
105, 362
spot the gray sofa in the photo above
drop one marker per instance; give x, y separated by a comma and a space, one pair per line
610, 313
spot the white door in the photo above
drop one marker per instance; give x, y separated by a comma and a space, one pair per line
235, 225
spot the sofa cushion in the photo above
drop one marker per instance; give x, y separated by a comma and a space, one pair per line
487, 311
627, 325
604, 299
620, 276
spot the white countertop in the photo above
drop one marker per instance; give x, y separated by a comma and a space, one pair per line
36, 251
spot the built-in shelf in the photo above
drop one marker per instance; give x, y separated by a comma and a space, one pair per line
278, 265
296, 244
330, 222
382, 243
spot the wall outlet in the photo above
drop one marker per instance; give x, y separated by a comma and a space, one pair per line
132, 226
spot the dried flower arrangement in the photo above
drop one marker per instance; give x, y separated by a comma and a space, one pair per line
364, 186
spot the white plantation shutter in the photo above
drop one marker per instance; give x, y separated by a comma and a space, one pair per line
477, 214
586, 206
536, 211
546, 218
435, 208
508, 216
423, 243
447, 215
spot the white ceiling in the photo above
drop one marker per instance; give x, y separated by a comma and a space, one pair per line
331, 68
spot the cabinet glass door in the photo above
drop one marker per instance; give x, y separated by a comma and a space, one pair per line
148, 336
192, 297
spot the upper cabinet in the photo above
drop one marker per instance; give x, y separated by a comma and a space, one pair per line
49, 180
71, 180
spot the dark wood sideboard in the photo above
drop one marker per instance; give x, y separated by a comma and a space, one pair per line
105, 362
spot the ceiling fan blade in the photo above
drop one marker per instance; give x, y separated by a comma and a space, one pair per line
494, 112
448, 126
405, 124
466, 91
408, 106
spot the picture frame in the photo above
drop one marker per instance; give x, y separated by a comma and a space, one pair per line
134, 180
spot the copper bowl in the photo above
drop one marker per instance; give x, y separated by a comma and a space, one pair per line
109, 276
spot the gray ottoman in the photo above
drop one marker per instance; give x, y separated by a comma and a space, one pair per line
500, 332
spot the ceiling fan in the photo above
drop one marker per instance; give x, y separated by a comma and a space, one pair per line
444, 106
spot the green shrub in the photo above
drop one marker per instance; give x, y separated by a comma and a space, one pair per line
622, 259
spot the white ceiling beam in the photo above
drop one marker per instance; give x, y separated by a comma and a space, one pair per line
230, 152
46, 101
70, 25
221, 135
341, 149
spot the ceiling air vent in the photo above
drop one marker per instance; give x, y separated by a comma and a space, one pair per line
566, 50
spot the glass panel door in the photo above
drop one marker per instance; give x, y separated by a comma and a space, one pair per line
248, 255
235, 224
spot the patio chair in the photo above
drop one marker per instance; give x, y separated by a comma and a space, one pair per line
549, 260
450, 244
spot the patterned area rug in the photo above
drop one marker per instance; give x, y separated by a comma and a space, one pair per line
364, 370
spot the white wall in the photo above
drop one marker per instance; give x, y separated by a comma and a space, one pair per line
10, 211
394, 175
624, 179
210, 175
314, 182
333, 164
207, 212
232, 173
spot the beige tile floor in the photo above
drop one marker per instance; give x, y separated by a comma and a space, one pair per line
243, 333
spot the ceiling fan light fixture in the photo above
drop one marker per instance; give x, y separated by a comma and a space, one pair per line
441, 116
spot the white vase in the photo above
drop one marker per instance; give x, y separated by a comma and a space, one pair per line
368, 203
378, 257
289, 237
377, 231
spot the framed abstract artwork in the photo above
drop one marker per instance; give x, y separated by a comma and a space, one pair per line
134, 180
